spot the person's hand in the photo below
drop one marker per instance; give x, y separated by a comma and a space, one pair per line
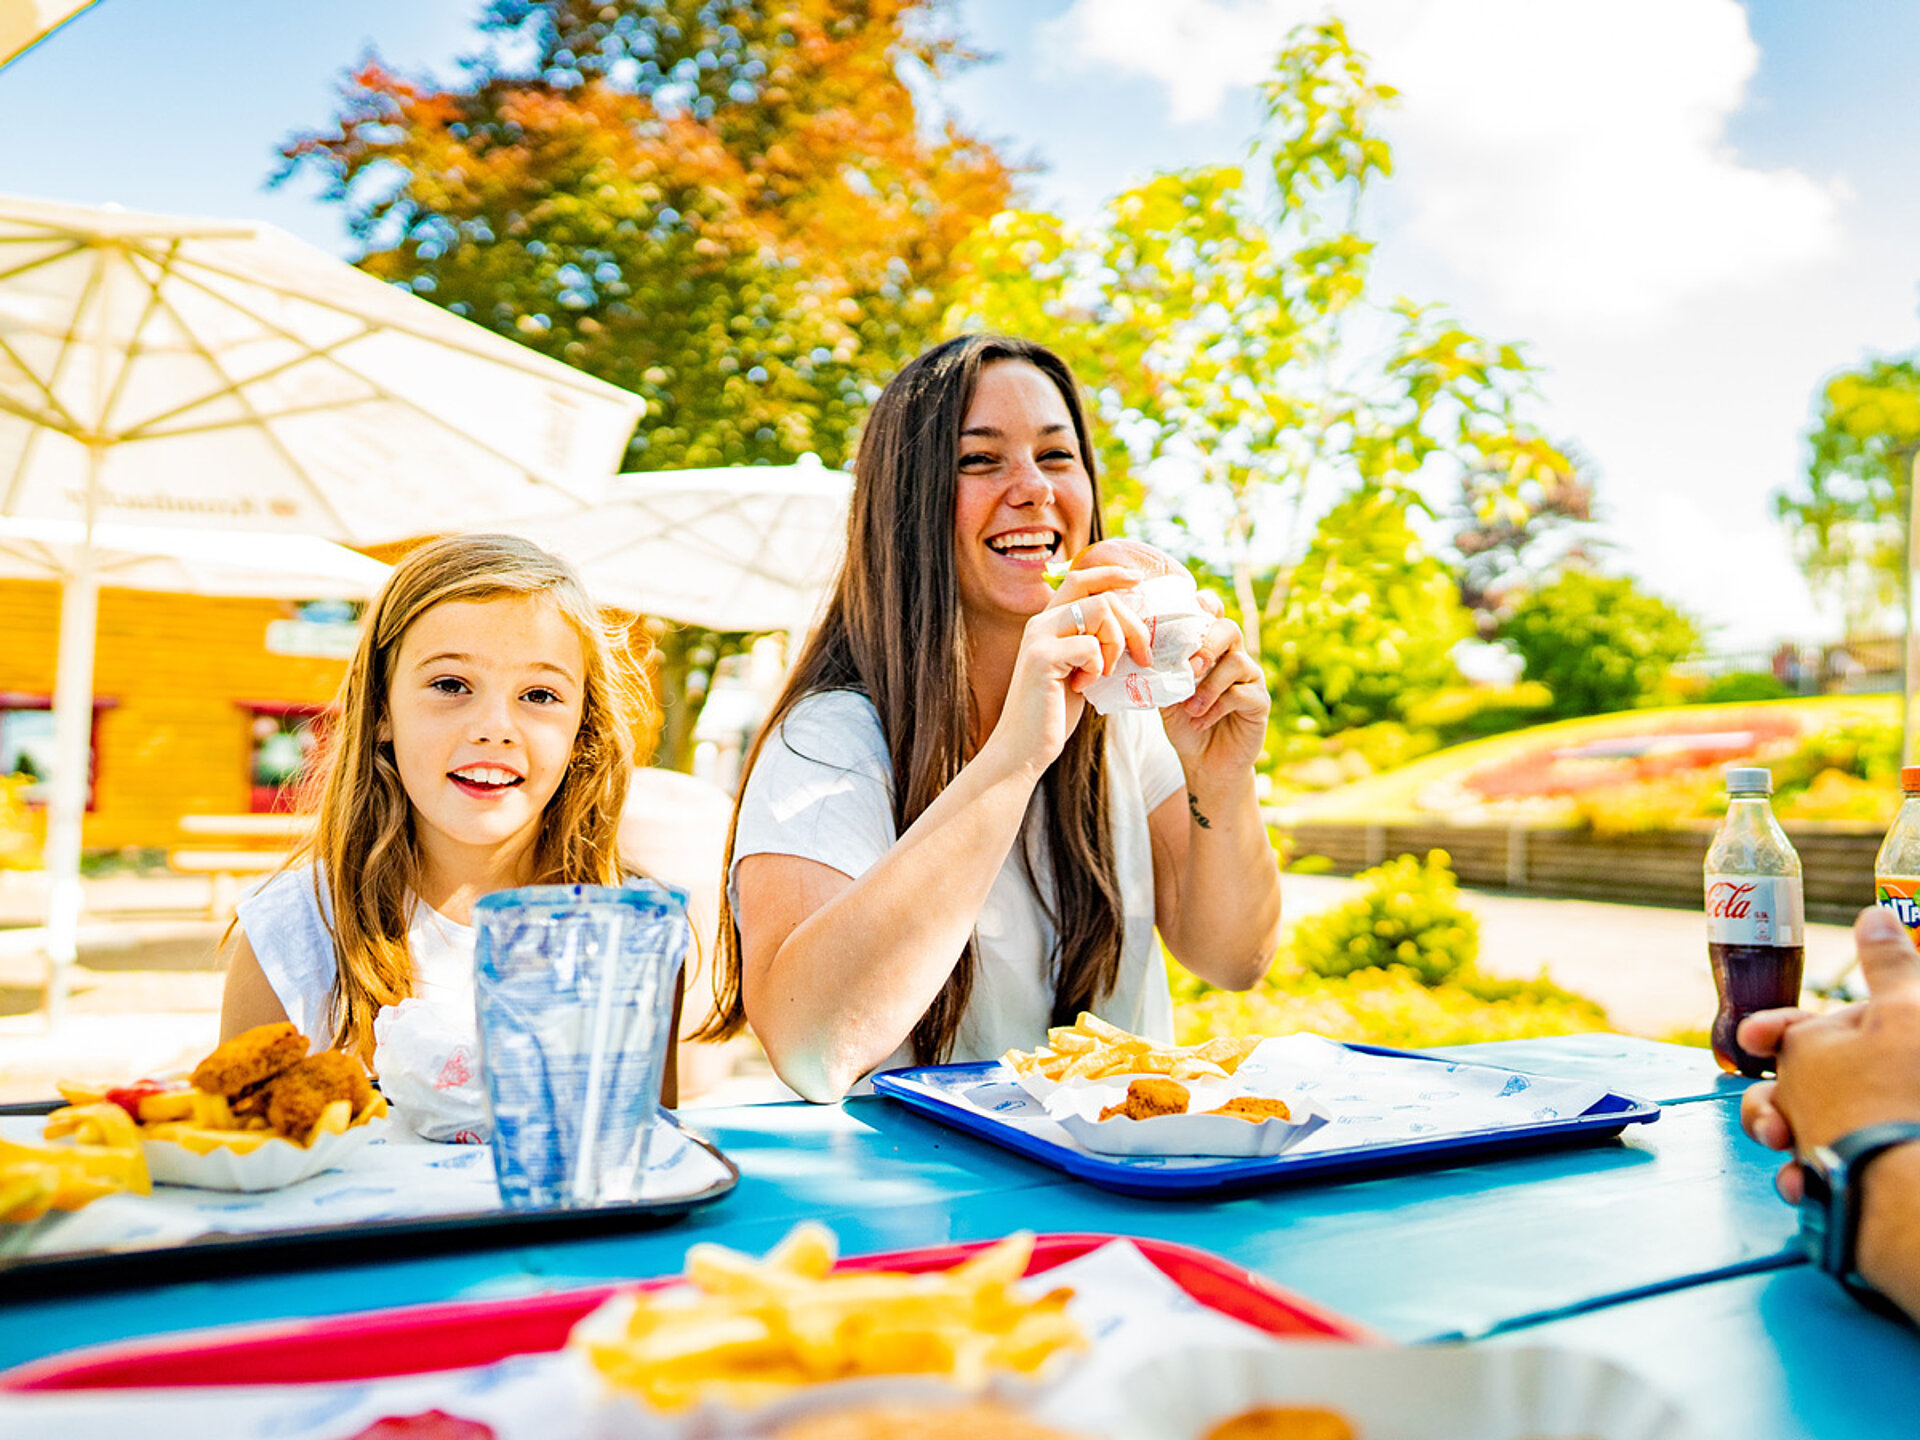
1222, 727
1078, 638
1845, 1069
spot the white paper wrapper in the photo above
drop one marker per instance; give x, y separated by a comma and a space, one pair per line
427, 1056
1170, 604
272, 1166
1077, 1106
1461, 1392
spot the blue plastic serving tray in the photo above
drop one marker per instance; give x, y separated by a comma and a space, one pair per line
936, 1090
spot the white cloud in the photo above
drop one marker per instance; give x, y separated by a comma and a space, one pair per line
1568, 158
1199, 49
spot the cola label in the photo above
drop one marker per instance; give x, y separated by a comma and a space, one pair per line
1755, 910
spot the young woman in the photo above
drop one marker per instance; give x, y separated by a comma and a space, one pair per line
939, 849
484, 740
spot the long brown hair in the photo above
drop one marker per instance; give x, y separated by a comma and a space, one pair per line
362, 842
894, 632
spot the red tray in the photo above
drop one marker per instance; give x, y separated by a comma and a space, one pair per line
452, 1336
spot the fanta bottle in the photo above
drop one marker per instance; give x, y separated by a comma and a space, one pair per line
1896, 869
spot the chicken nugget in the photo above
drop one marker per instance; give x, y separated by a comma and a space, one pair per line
1255, 1108
298, 1095
1283, 1422
249, 1058
1148, 1096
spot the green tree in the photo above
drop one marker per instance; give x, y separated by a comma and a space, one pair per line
730, 208
1849, 522
1597, 643
1228, 323
1369, 622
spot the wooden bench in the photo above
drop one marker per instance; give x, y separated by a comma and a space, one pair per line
228, 864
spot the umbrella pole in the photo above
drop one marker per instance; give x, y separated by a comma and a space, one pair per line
72, 734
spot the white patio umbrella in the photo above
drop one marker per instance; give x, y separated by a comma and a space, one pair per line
745, 548
197, 373
189, 562
23, 22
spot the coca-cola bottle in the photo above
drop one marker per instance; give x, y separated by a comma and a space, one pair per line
1756, 915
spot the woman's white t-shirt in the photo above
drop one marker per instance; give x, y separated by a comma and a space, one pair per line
822, 789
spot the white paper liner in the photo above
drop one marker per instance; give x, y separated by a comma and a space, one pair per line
273, 1165
1460, 1392
1077, 1104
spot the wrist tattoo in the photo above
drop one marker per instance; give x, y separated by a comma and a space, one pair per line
1193, 809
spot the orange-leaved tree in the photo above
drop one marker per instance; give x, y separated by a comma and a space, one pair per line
730, 208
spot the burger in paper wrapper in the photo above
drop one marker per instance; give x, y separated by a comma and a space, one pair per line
1168, 602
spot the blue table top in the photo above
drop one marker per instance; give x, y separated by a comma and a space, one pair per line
1665, 1248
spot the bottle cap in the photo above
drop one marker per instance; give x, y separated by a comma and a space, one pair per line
1750, 780
1910, 778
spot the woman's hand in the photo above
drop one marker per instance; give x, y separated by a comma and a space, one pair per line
1220, 730
1076, 640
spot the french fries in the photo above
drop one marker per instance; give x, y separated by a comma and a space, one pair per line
744, 1332
104, 1159
1092, 1049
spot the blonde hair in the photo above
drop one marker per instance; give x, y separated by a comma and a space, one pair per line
362, 845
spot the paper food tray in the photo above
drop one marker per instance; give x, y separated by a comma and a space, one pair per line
273, 1165
1462, 1392
1077, 1109
984, 1099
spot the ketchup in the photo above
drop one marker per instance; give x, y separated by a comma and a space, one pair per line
428, 1425
128, 1097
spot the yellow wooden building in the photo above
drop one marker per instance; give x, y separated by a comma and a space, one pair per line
186, 693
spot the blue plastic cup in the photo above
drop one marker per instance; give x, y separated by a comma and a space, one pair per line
573, 991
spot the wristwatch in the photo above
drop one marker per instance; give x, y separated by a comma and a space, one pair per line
1830, 1204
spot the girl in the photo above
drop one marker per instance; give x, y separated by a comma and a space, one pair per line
484, 740
939, 851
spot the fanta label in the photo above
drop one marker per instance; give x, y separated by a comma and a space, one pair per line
1755, 910
1902, 897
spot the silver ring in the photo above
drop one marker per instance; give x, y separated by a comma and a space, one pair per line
1079, 618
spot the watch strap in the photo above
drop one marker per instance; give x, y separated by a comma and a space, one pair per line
1846, 1162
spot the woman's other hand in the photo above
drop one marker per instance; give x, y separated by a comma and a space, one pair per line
1222, 727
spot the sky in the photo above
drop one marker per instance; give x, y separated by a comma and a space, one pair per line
1691, 212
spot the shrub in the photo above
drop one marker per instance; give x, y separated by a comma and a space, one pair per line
1474, 712
1744, 685
19, 832
1386, 1007
1598, 644
1315, 762
1410, 917
1436, 997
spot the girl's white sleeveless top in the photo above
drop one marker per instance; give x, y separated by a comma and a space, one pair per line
285, 921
